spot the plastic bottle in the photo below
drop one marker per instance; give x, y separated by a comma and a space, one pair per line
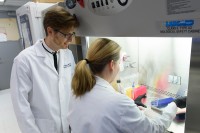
132, 91
133, 85
120, 89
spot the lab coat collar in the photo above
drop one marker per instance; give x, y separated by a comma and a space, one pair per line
49, 49
40, 51
103, 83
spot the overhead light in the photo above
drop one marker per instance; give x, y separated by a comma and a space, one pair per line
2, 0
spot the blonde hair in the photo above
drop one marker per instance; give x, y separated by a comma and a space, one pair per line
101, 52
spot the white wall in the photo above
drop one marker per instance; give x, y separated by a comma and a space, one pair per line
152, 59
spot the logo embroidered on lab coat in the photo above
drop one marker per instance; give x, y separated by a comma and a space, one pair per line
67, 65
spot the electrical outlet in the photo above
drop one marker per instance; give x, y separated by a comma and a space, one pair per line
175, 80
178, 80
170, 78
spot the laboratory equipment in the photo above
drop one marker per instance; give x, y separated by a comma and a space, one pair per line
160, 38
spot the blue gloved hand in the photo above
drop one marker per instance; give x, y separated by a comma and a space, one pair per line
181, 102
138, 100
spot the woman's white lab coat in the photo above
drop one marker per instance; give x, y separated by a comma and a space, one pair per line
40, 95
102, 110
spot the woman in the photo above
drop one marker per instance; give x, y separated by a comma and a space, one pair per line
95, 106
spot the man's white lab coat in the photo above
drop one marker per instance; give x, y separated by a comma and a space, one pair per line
40, 95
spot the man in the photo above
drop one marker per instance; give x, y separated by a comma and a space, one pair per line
41, 77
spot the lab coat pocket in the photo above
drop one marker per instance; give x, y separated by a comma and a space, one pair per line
66, 72
45, 125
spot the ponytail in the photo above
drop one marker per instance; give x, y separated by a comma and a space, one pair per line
99, 54
83, 80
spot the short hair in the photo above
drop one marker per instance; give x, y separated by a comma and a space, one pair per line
58, 18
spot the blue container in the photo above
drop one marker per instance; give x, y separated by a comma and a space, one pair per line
162, 102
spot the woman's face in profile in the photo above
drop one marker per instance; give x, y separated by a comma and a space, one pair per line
115, 69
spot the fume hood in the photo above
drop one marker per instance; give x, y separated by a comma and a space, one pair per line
157, 40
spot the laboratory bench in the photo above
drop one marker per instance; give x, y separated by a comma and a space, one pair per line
176, 126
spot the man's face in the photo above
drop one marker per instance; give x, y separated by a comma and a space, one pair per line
63, 37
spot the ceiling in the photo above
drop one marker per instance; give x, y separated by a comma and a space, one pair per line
12, 5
